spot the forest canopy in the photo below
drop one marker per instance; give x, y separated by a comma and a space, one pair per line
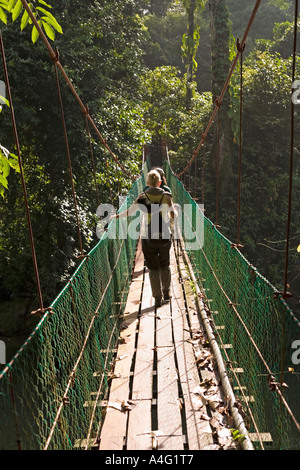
150, 73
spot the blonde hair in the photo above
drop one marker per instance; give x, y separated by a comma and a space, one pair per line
153, 178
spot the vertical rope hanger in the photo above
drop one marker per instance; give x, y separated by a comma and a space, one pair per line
203, 171
287, 294
195, 176
218, 163
241, 48
16, 138
55, 60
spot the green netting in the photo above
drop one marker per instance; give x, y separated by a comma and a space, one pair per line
255, 327
48, 390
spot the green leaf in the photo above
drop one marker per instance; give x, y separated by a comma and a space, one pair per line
4, 4
4, 101
44, 3
4, 166
24, 21
17, 10
3, 181
50, 19
49, 30
34, 34
14, 162
3, 16
11, 4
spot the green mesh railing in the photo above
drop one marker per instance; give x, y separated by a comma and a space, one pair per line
254, 326
51, 391
48, 390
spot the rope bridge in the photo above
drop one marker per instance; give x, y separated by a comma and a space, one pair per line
68, 357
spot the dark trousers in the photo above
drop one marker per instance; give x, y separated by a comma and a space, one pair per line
157, 260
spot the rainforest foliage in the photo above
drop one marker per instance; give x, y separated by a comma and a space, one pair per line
150, 72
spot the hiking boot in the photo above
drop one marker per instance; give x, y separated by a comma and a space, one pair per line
158, 302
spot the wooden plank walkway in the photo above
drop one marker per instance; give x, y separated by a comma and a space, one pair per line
165, 392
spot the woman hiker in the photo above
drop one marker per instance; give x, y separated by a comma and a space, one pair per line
156, 234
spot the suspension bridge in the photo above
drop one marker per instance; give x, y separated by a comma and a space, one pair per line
104, 369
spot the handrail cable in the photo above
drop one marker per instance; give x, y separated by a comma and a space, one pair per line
25, 196
73, 372
285, 293
241, 49
220, 99
84, 108
270, 373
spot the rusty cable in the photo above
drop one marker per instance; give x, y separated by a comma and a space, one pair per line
36, 270
285, 293
256, 347
70, 85
291, 155
213, 115
203, 172
240, 48
218, 165
195, 176
76, 365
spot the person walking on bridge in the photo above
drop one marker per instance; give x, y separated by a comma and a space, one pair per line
164, 184
156, 234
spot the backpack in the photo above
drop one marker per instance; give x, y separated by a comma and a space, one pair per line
157, 233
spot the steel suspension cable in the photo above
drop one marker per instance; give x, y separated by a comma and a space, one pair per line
83, 347
70, 85
285, 293
241, 49
234, 63
25, 196
203, 172
218, 164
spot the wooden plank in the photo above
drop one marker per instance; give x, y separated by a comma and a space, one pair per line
168, 400
113, 431
264, 436
139, 423
142, 374
139, 427
219, 423
199, 432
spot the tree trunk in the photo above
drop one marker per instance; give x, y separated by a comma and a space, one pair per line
190, 52
220, 65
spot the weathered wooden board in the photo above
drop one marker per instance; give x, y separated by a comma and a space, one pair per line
199, 432
139, 423
113, 432
168, 399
